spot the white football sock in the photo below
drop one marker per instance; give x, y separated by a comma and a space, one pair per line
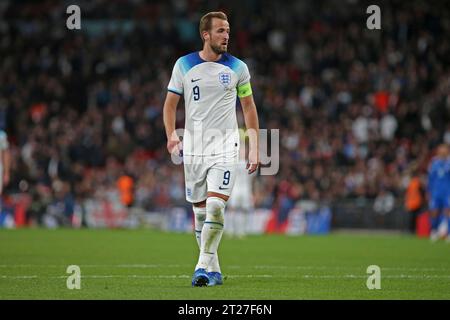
199, 219
211, 234
214, 265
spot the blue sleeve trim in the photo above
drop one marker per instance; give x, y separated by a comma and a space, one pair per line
175, 91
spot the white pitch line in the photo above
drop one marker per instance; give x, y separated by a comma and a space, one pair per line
338, 268
18, 277
399, 276
136, 276
151, 266
131, 266
145, 266
267, 267
185, 276
416, 269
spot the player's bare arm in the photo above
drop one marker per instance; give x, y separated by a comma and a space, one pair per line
169, 114
252, 125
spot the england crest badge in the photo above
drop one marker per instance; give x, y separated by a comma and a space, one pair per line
225, 79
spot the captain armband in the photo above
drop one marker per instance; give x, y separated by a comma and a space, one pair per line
244, 90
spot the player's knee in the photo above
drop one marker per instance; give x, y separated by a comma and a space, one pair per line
215, 208
199, 214
200, 217
200, 204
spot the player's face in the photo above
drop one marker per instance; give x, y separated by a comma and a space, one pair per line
219, 35
443, 151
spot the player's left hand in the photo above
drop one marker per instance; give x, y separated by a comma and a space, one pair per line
253, 161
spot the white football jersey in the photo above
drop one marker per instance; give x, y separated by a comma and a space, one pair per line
210, 90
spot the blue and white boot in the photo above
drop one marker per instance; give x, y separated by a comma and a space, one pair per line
215, 279
200, 278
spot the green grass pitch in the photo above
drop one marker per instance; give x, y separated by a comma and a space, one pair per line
146, 264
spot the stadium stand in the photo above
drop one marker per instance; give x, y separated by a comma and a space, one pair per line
359, 110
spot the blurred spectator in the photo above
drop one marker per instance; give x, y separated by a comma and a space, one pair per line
384, 202
356, 108
414, 199
125, 184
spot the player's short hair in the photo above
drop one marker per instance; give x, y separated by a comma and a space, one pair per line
206, 21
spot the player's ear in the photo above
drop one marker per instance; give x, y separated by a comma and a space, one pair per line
205, 35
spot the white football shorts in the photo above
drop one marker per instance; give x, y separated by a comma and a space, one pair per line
208, 174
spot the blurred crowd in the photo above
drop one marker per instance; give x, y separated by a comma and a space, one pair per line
358, 110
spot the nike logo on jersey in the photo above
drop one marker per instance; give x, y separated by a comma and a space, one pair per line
220, 188
195, 80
